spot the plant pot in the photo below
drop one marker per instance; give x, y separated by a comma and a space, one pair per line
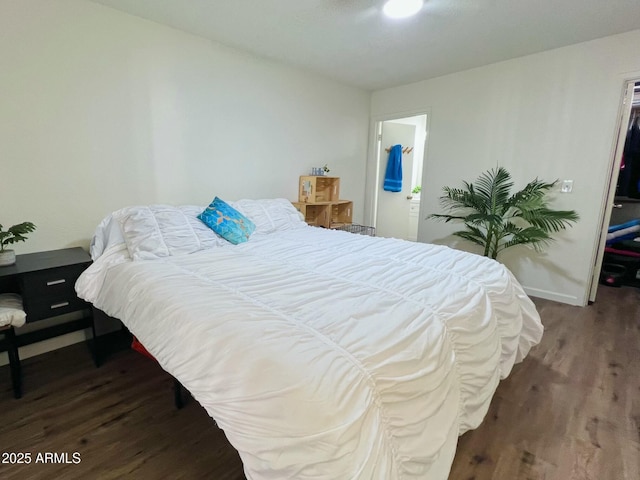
7, 257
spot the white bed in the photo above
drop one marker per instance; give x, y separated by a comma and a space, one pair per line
321, 354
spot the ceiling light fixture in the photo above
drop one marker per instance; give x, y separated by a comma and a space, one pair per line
402, 8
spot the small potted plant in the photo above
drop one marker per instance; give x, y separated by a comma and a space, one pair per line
16, 233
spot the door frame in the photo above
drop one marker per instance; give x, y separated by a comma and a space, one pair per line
372, 172
624, 113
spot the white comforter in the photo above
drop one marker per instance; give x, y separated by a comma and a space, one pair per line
328, 355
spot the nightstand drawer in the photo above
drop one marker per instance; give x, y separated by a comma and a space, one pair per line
46, 307
51, 282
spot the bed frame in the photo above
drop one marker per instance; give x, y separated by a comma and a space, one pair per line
122, 339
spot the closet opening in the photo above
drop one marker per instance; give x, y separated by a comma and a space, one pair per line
618, 256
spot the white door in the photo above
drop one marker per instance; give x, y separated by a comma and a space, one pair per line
393, 212
608, 201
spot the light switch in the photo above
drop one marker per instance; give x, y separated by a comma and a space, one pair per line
567, 186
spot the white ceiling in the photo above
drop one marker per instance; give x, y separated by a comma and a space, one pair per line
352, 42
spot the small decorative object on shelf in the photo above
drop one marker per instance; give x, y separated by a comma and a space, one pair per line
319, 171
16, 233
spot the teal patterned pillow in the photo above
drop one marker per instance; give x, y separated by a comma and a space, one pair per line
227, 222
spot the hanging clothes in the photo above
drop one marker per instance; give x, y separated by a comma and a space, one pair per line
393, 175
632, 159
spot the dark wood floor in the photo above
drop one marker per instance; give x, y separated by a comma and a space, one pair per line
570, 411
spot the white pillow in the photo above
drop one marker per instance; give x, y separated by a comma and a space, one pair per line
107, 234
270, 215
11, 312
156, 231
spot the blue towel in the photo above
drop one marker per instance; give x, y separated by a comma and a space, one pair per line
393, 175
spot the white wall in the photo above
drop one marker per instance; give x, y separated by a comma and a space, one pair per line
550, 115
100, 109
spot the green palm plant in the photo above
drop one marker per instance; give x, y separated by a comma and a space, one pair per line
495, 219
16, 233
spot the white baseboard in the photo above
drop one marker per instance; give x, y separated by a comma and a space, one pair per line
556, 297
48, 345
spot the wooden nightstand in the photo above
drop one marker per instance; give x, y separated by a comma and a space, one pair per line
46, 281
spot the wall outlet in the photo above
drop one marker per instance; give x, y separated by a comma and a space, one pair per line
567, 186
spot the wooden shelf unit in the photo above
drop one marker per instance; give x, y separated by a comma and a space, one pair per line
341, 212
319, 201
318, 189
316, 214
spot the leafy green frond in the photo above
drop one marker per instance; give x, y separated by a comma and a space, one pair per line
529, 236
506, 230
526, 205
482, 218
536, 188
495, 185
22, 228
445, 217
550, 220
477, 232
481, 201
510, 228
16, 233
531, 197
458, 199
472, 237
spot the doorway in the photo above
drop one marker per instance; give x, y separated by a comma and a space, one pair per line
617, 205
397, 213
